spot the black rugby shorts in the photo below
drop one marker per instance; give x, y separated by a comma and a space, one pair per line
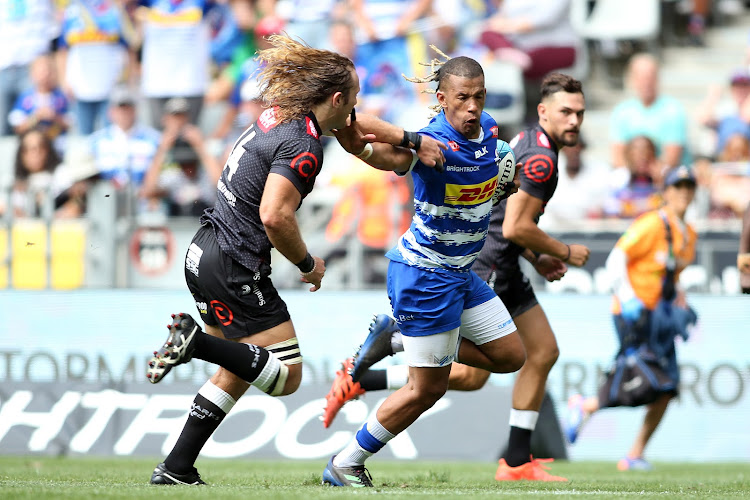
239, 301
514, 289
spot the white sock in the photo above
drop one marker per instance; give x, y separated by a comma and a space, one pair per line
396, 376
354, 454
217, 396
524, 419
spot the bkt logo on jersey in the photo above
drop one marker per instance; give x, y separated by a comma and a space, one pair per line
472, 194
478, 154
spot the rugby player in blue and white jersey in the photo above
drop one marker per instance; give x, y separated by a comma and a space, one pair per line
434, 294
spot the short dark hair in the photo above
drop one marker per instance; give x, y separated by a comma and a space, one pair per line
559, 82
462, 66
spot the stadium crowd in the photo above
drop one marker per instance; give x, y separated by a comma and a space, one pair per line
150, 95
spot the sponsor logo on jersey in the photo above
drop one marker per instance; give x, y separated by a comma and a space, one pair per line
305, 164
538, 168
193, 260
311, 130
494, 131
453, 145
515, 140
472, 194
202, 307
478, 154
222, 312
267, 120
542, 140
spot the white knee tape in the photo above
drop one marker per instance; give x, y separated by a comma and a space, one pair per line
288, 351
281, 381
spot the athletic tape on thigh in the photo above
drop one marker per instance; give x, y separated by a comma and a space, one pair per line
287, 352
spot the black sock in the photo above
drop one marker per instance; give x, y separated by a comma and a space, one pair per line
244, 360
374, 380
203, 420
519, 447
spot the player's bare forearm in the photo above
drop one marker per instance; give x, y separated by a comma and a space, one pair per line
382, 130
389, 157
429, 150
528, 235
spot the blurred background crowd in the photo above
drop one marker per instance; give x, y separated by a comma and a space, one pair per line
148, 97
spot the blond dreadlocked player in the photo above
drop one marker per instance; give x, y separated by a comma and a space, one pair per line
433, 292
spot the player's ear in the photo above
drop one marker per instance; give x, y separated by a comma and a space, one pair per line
441, 99
541, 110
337, 100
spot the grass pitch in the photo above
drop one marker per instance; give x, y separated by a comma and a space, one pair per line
102, 478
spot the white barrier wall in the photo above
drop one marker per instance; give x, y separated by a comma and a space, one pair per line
72, 380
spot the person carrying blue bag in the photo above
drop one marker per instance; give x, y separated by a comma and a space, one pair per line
649, 311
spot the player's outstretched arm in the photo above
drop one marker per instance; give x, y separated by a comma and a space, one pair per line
429, 150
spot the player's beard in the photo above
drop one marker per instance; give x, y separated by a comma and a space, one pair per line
568, 139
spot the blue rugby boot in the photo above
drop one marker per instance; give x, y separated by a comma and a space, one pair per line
177, 349
377, 345
357, 477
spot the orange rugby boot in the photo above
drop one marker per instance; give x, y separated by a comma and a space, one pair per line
343, 390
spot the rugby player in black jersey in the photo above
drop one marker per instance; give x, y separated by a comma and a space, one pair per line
272, 167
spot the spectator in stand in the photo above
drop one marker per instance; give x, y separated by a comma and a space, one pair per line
537, 35
184, 186
124, 150
175, 56
728, 118
92, 57
696, 27
244, 106
247, 16
660, 118
44, 105
191, 187
736, 149
383, 52
72, 181
311, 21
36, 161
26, 30
637, 191
581, 189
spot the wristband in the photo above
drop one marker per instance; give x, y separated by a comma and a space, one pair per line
411, 138
307, 265
365, 153
567, 257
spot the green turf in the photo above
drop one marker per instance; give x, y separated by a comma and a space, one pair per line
102, 478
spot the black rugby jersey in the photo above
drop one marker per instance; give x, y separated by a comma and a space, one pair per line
537, 153
291, 149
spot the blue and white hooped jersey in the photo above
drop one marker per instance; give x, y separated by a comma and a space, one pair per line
452, 209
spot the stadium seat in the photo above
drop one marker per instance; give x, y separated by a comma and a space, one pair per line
616, 20
29, 251
68, 245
